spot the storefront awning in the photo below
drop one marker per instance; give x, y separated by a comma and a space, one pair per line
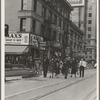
16, 49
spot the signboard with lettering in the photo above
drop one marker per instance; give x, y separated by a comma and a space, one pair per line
55, 44
76, 2
34, 40
17, 39
42, 44
81, 54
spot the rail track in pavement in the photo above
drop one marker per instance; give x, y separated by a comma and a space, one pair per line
40, 92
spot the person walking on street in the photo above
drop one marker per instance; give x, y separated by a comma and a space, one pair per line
66, 66
73, 67
57, 68
45, 66
52, 67
82, 65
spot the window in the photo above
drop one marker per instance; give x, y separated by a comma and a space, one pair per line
88, 42
33, 26
35, 5
23, 24
63, 25
89, 21
89, 7
48, 34
89, 28
42, 29
24, 5
44, 12
89, 35
55, 19
53, 37
59, 22
51, 16
90, 14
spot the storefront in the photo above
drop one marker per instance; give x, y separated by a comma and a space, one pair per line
56, 49
17, 48
22, 48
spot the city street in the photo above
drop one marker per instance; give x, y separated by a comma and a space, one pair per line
50, 37
39, 88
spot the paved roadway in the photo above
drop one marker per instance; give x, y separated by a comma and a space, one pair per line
39, 88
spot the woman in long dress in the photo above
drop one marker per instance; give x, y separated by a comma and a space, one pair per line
73, 67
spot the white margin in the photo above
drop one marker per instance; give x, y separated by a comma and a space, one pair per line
2, 49
97, 49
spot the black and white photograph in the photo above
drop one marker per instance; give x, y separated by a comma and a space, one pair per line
50, 49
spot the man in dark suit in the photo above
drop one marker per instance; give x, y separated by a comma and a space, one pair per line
45, 66
66, 66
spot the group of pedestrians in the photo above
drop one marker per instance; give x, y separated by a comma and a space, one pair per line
64, 66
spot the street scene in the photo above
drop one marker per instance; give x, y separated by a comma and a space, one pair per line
50, 50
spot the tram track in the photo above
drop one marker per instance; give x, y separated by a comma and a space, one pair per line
41, 96
59, 86
91, 95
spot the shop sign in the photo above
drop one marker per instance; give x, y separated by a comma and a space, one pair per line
76, 2
40, 39
56, 44
17, 39
42, 44
58, 37
34, 40
81, 54
42, 48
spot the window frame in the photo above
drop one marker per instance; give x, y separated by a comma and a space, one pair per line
22, 26
89, 36
89, 29
89, 14
24, 5
89, 21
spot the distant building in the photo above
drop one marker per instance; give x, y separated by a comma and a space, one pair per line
84, 16
91, 29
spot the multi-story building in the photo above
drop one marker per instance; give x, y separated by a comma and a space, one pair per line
44, 25
84, 16
78, 17
91, 29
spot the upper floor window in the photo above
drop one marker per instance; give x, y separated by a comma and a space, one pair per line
42, 30
23, 24
33, 26
90, 14
55, 19
44, 12
24, 5
89, 21
89, 35
35, 5
89, 7
89, 28
59, 22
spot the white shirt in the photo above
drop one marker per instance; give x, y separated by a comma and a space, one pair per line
82, 63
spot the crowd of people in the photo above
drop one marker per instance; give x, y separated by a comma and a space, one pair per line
64, 66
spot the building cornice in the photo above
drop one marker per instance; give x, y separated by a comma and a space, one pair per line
76, 28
